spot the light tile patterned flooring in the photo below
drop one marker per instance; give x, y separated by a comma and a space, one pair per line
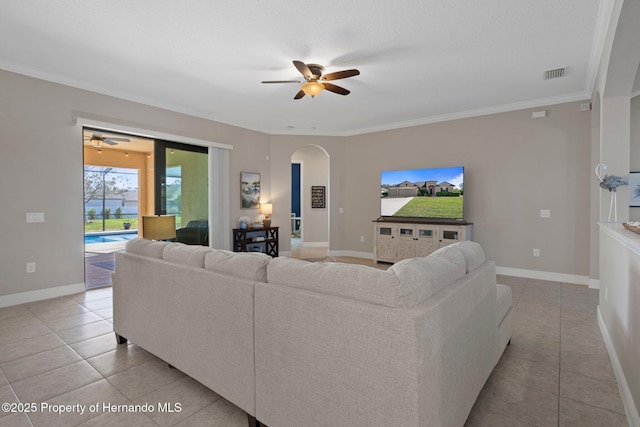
556, 372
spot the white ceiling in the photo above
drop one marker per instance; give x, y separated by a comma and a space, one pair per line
421, 61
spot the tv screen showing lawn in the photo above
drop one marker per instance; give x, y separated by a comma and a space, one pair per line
423, 193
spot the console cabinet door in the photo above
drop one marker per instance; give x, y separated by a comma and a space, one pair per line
405, 242
451, 234
426, 240
385, 243
395, 242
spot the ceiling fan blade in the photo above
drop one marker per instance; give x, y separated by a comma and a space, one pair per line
281, 81
304, 70
109, 141
336, 89
119, 139
340, 75
299, 95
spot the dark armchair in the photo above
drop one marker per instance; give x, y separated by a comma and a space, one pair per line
195, 233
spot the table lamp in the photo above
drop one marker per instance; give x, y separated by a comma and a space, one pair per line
266, 209
161, 227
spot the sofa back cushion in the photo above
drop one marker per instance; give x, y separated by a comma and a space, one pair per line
351, 281
185, 254
406, 284
424, 276
145, 247
248, 265
472, 251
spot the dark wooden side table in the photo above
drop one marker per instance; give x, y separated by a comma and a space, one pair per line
262, 239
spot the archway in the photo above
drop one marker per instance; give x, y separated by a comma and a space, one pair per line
310, 202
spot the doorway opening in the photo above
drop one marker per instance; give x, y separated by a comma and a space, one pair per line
309, 219
118, 171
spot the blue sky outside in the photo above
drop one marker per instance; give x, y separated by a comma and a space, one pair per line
453, 175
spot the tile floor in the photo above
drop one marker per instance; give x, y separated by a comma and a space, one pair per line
98, 267
556, 372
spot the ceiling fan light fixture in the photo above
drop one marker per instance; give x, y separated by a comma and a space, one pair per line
312, 88
96, 142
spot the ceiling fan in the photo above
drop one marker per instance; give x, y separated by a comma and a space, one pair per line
97, 140
314, 82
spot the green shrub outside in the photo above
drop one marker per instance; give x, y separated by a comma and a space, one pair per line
110, 224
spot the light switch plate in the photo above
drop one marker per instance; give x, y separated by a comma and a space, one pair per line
545, 213
35, 217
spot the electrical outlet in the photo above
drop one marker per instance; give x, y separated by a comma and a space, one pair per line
362, 238
536, 252
545, 213
31, 267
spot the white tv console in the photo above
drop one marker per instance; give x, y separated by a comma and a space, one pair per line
396, 239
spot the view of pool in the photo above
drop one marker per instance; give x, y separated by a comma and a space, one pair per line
121, 236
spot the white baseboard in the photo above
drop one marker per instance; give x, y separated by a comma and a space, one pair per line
315, 244
355, 254
594, 283
41, 294
625, 393
543, 275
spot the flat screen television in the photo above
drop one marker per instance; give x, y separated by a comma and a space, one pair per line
431, 193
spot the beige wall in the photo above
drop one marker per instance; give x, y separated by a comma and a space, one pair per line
514, 167
282, 149
41, 171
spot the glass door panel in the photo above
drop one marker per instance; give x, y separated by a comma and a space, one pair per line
183, 184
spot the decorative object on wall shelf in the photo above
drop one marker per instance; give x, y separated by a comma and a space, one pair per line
244, 221
611, 183
634, 191
632, 226
249, 190
318, 196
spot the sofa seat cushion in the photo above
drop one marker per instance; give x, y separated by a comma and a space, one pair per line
472, 252
424, 276
185, 254
248, 265
505, 300
146, 247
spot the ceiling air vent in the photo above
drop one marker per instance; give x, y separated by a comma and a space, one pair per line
554, 74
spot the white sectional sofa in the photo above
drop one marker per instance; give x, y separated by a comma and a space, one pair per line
295, 343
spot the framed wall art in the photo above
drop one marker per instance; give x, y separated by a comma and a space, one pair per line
318, 196
249, 190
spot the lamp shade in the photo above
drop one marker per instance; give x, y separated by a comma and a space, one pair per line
266, 208
162, 227
312, 88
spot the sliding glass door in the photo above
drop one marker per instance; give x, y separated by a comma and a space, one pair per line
182, 182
